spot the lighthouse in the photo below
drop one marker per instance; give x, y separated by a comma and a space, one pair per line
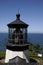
17, 46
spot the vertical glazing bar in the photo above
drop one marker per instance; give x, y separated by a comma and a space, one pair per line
26, 34
23, 36
11, 33
8, 33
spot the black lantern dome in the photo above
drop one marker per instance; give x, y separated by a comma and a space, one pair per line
17, 23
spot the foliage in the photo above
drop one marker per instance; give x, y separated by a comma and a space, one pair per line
2, 54
31, 46
34, 55
35, 47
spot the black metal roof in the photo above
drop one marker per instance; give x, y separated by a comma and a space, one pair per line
17, 59
17, 23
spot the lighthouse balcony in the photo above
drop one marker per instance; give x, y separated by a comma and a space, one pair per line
20, 46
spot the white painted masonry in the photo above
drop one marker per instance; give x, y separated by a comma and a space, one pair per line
11, 54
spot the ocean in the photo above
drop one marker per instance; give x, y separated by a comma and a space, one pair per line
32, 37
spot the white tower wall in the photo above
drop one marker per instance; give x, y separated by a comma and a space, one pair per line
11, 54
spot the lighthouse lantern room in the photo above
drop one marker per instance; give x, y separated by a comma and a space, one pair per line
17, 40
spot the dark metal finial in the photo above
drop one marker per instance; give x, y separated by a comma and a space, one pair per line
18, 16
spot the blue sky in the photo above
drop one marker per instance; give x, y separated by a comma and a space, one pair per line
31, 12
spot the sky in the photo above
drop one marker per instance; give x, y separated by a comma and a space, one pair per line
31, 12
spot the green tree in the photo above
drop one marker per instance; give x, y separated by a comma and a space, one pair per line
31, 47
37, 48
